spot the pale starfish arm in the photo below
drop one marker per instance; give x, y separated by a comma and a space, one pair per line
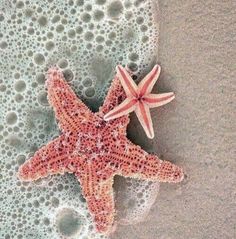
70, 111
99, 197
143, 113
115, 96
127, 106
146, 85
156, 100
149, 167
127, 82
53, 158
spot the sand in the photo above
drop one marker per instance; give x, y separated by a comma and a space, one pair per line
197, 53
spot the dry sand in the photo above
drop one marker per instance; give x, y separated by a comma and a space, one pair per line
197, 53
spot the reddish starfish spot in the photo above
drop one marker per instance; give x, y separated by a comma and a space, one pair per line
94, 150
139, 98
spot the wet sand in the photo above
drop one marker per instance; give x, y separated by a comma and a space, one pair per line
197, 131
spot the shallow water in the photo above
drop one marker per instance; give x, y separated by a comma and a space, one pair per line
87, 39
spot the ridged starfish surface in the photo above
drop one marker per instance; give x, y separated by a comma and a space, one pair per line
94, 150
139, 98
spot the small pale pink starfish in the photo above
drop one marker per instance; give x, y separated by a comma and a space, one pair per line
139, 98
94, 150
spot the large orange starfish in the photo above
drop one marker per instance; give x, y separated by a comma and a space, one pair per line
94, 150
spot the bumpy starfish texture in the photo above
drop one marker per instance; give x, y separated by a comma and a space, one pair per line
94, 150
139, 98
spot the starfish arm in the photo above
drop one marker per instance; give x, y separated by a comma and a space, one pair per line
127, 106
156, 100
146, 85
143, 113
53, 158
69, 109
139, 164
115, 96
99, 197
130, 88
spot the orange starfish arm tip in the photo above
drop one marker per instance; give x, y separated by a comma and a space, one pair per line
100, 201
52, 158
69, 110
148, 166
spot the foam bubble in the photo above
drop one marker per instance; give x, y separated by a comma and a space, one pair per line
100, 2
19, 98
134, 199
98, 15
40, 78
80, 2
3, 88
60, 28
11, 118
62, 63
71, 33
3, 45
39, 59
20, 86
68, 74
42, 20
88, 36
49, 45
86, 17
69, 222
115, 9
42, 98
89, 92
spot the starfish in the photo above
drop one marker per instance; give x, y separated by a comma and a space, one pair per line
139, 98
93, 150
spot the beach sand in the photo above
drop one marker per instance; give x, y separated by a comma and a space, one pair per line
197, 131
